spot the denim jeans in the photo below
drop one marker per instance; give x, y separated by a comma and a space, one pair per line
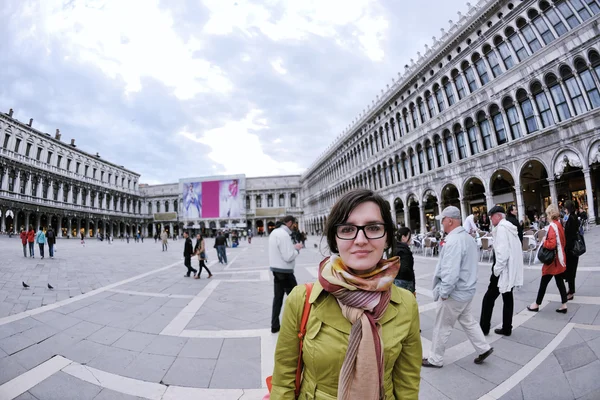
408, 285
222, 254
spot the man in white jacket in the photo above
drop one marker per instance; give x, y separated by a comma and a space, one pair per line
282, 259
507, 272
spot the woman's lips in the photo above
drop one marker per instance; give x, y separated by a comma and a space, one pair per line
361, 253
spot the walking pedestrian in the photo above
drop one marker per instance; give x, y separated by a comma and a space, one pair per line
23, 236
406, 275
164, 237
40, 239
362, 338
188, 250
282, 256
555, 240
82, 239
507, 272
200, 251
51, 240
571, 231
220, 244
454, 285
30, 241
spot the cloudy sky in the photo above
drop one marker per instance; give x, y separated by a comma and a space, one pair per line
186, 88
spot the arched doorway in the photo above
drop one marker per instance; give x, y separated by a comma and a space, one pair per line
270, 227
21, 221
474, 197
9, 220
399, 207
54, 223
535, 189
64, 227
570, 180
260, 227
503, 189
92, 230
414, 217
73, 232
431, 209
44, 222
450, 196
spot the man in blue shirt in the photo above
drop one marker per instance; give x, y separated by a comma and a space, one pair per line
454, 284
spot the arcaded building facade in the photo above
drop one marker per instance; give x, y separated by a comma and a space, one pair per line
47, 182
502, 109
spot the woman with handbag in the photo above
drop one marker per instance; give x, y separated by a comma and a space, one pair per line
362, 335
571, 235
200, 251
554, 242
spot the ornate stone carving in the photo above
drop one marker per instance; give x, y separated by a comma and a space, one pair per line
568, 157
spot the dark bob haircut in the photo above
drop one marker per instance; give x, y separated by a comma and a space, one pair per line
348, 202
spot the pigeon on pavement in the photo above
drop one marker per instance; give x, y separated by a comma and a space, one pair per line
50, 286
25, 285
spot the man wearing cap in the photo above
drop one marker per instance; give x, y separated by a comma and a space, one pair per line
282, 259
507, 272
454, 284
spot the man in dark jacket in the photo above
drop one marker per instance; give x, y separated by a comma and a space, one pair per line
188, 250
406, 275
220, 244
511, 217
51, 239
571, 231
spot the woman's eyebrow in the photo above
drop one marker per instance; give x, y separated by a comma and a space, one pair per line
366, 223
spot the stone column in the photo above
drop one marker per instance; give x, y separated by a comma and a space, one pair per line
59, 229
590, 196
393, 209
88, 199
170, 228
489, 200
37, 221
87, 225
587, 101
60, 192
5, 180
463, 209
406, 217
520, 204
553, 192
536, 112
69, 227
17, 185
422, 217
79, 201
27, 221
570, 104
28, 186
3, 221
78, 226
70, 195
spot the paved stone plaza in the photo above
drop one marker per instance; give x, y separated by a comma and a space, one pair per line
122, 322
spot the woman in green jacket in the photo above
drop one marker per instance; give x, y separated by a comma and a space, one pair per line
362, 339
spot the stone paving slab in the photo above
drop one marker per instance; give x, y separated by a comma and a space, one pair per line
119, 332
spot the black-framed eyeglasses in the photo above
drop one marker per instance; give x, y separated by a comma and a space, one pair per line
350, 231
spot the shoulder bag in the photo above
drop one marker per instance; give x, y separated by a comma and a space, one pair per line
301, 333
578, 246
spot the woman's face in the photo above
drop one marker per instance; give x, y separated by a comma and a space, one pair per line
405, 239
362, 254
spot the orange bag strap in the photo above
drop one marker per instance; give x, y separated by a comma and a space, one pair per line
305, 314
303, 321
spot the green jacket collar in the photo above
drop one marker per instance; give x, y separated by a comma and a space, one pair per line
327, 309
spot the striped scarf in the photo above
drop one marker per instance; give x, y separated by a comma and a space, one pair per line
363, 299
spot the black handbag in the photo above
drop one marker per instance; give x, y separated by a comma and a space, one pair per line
546, 256
578, 246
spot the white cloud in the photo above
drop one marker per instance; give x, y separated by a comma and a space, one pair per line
129, 39
299, 19
237, 147
278, 66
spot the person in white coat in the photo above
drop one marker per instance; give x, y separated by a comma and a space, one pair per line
507, 272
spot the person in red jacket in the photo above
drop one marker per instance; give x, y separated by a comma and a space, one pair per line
555, 239
24, 241
30, 240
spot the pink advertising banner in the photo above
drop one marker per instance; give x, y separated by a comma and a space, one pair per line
210, 199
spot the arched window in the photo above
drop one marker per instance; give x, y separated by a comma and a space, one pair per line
405, 165
449, 146
401, 131
381, 137
460, 84
566, 12
460, 140
574, 90
158, 206
513, 117
541, 26
581, 10
498, 124
167, 206
588, 82
470, 75
413, 162
515, 40
439, 150
281, 200
429, 151
504, 51
422, 111
560, 101
421, 158
258, 201
448, 90
247, 202
554, 19
542, 104
391, 170
593, 5
149, 207
398, 168
293, 200
430, 105
270, 201
393, 125
486, 130
490, 54
439, 97
527, 110
413, 115
481, 68
527, 30
406, 124
472, 134
375, 140
387, 135
385, 174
